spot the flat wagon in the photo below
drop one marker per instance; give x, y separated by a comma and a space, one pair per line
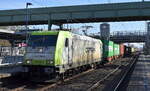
108, 52
121, 50
116, 51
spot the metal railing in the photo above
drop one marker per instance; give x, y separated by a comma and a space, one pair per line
127, 33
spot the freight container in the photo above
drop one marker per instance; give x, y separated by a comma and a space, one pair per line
116, 50
121, 50
132, 49
107, 50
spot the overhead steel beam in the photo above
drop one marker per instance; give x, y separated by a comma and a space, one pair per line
125, 39
133, 11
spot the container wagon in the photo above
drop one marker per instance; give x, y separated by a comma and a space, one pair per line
116, 50
127, 51
108, 52
121, 50
57, 52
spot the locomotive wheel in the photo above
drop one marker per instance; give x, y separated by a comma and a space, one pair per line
93, 66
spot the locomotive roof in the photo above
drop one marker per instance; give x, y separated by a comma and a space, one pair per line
57, 32
44, 33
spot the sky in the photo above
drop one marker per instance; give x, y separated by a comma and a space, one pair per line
15, 4
114, 26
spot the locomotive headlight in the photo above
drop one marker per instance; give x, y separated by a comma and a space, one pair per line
28, 61
41, 49
49, 61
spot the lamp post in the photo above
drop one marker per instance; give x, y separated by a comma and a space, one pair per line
27, 14
27, 18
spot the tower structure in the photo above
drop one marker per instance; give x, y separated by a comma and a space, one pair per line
105, 31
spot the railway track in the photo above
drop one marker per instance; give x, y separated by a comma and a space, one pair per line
50, 85
126, 75
13, 84
116, 80
100, 81
114, 83
87, 80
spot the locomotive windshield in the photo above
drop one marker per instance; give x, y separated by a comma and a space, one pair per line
42, 40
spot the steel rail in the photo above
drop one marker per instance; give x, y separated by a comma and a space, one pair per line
97, 83
47, 88
100, 81
125, 74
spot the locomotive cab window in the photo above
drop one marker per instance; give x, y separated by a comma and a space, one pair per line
42, 40
66, 42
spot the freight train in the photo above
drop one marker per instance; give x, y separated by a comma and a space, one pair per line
57, 52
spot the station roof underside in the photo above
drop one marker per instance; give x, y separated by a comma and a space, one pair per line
11, 36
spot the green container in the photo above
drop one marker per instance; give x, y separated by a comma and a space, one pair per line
107, 48
116, 49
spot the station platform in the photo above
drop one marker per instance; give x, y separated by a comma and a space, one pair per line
11, 64
140, 77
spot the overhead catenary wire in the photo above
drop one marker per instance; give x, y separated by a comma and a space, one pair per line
77, 21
